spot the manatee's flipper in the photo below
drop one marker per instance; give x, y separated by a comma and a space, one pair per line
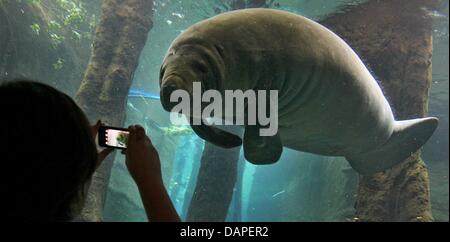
261, 150
217, 136
407, 138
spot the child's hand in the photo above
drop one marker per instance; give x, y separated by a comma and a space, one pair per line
142, 158
145, 168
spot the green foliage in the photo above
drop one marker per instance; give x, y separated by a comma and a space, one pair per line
53, 26
36, 28
59, 64
56, 39
66, 4
72, 22
76, 36
29, 1
75, 16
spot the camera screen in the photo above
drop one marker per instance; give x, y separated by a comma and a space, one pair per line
116, 138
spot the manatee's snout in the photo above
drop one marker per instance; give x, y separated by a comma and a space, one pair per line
166, 91
169, 86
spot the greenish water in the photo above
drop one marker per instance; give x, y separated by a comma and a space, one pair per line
301, 187
50, 41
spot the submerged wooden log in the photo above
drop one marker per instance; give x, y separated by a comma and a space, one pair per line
120, 37
214, 189
394, 38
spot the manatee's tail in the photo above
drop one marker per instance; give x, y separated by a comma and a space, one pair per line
407, 138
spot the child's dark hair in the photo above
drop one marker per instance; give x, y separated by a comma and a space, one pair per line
47, 152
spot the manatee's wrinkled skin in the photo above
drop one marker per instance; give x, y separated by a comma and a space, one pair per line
329, 103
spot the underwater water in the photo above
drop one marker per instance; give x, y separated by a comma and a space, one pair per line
300, 187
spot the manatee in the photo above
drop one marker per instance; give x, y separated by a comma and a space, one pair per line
329, 103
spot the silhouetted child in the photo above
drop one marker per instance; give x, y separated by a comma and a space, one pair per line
48, 155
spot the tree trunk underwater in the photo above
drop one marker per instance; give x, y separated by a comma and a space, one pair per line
120, 37
215, 183
394, 39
